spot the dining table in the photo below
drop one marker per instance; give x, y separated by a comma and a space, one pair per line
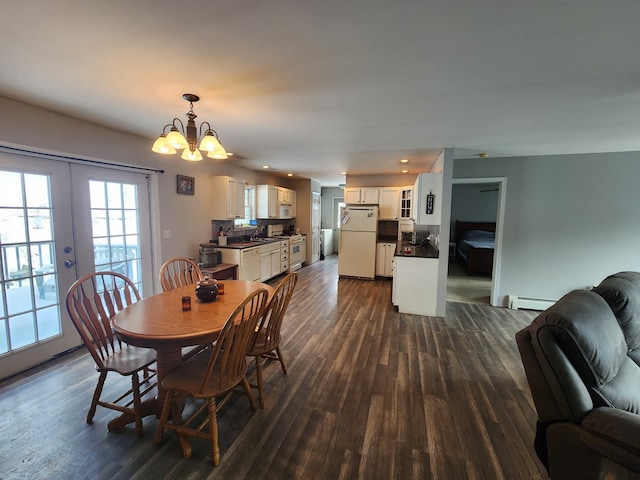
159, 322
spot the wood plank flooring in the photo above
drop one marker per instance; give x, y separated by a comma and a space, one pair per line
370, 394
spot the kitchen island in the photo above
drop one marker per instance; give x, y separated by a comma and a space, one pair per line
415, 279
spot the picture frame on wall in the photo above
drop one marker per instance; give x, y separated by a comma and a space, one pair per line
186, 185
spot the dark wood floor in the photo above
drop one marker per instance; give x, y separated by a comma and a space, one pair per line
370, 394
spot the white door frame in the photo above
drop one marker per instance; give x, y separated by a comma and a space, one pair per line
497, 254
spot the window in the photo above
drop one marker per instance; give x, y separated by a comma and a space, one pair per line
249, 208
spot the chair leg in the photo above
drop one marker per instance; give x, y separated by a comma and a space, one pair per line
96, 396
213, 431
164, 416
247, 390
259, 362
137, 404
281, 360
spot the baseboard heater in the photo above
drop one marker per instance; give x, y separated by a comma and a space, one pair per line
527, 303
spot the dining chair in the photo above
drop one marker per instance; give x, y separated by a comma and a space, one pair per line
265, 343
210, 373
179, 272
92, 302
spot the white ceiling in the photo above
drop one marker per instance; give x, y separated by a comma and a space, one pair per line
320, 87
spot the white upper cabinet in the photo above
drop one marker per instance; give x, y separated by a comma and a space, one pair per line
406, 203
428, 199
275, 202
267, 201
389, 203
365, 195
227, 198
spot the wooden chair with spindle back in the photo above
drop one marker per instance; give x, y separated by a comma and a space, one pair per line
92, 302
179, 272
210, 373
265, 344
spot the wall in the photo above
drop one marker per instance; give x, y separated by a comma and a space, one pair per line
477, 202
186, 216
328, 196
570, 220
380, 180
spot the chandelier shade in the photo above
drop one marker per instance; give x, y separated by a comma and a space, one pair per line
186, 139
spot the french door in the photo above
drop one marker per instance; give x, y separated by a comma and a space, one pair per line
58, 222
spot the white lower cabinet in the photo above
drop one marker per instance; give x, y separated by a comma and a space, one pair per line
270, 261
384, 259
415, 285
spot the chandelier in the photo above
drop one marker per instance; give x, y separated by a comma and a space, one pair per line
168, 143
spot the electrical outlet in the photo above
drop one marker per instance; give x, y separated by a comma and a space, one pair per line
166, 234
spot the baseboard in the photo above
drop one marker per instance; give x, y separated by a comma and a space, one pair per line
527, 303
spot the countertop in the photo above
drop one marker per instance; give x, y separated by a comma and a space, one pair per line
250, 243
425, 251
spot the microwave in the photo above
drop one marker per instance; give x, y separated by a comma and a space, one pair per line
285, 210
408, 237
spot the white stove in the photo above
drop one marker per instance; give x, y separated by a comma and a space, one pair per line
297, 245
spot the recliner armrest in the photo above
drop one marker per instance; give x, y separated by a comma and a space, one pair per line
614, 434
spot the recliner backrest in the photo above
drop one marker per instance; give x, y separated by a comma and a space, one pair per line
583, 356
622, 292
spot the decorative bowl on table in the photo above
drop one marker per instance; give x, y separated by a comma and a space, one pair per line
207, 290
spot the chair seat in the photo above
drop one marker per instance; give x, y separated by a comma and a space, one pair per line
260, 342
128, 360
188, 377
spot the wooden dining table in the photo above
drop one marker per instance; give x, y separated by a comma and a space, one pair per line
159, 322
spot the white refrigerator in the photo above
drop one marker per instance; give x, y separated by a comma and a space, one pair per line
358, 232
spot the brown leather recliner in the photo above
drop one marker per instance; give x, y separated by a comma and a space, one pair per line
585, 385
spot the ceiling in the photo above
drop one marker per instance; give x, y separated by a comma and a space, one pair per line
318, 88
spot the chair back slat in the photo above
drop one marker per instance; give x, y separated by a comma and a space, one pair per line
267, 336
92, 302
231, 346
179, 272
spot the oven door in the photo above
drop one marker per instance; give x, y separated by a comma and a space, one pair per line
296, 257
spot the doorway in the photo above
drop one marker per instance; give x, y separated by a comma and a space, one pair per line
475, 200
58, 222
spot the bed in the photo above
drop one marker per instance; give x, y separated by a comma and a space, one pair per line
475, 244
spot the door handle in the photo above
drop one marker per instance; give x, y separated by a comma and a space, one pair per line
69, 263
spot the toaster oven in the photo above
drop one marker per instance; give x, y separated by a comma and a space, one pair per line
408, 237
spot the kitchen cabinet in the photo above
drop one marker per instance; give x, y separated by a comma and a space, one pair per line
247, 259
294, 199
284, 256
227, 198
415, 285
267, 201
284, 195
406, 203
384, 259
275, 202
389, 203
270, 261
366, 195
426, 184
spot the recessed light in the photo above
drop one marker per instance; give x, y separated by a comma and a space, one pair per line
265, 166
483, 155
343, 173
289, 174
404, 160
405, 170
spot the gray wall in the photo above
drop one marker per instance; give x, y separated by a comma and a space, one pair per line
328, 195
476, 202
570, 220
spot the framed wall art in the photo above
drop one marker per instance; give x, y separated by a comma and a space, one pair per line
186, 185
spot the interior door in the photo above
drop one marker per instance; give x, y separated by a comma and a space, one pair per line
51, 233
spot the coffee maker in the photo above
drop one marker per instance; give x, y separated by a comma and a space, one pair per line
209, 254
